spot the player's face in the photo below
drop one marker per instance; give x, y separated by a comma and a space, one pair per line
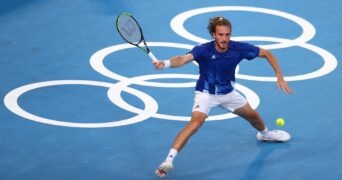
222, 37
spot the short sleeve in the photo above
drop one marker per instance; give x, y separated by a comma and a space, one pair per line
250, 51
197, 51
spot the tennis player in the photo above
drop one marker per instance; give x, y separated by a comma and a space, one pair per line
217, 62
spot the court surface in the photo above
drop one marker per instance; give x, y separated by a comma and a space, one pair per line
79, 103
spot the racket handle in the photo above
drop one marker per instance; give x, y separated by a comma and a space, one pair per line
154, 59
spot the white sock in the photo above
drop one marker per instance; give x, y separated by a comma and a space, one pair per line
172, 154
264, 132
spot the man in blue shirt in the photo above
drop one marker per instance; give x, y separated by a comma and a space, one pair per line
217, 62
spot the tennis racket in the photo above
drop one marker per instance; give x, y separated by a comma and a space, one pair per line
130, 30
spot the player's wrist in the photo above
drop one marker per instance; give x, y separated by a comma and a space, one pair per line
280, 78
167, 63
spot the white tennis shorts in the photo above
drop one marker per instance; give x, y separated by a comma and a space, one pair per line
204, 101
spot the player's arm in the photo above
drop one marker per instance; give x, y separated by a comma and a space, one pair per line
272, 60
174, 62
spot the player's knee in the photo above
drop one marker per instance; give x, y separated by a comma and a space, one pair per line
196, 123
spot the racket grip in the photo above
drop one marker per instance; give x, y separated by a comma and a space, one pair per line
154, 59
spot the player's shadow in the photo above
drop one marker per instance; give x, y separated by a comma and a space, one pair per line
259, 162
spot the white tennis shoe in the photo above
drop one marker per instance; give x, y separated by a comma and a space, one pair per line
274, 136
164, 168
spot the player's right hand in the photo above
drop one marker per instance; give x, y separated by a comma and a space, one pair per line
159, 65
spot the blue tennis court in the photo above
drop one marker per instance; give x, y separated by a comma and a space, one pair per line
80, 103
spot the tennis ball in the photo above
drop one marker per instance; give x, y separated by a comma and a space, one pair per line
280, 122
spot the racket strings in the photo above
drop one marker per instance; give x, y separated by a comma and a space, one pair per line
129, 29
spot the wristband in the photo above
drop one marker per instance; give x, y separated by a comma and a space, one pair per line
167, 64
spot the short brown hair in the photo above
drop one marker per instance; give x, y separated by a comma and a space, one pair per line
218, 21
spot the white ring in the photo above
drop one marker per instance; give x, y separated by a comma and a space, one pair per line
11, 102
96, 62
177, 24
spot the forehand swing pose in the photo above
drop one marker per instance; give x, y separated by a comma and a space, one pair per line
217, 62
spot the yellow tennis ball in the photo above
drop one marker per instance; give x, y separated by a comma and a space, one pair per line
280, 122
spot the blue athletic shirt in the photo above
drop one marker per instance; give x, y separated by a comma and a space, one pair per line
217, 70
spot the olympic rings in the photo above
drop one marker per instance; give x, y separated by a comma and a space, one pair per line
151, 106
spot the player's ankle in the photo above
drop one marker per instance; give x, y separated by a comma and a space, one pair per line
171, 156
265, 132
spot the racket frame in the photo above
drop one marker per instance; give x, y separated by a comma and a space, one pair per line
146, 49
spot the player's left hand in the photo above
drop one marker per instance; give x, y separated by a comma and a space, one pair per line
282, 84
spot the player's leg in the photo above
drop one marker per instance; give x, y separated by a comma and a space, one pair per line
203, 102
252, 116
236, 103
239, 105
201, 107
197, 119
